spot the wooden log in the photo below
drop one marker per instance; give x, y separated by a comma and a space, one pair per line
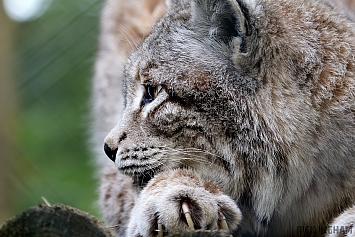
56, 221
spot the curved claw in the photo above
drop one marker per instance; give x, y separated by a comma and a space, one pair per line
160, 230
187, 213
222, 223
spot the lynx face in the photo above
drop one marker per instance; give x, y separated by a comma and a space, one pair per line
184, 110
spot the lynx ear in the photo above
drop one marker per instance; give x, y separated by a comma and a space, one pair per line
173, 4
222, 19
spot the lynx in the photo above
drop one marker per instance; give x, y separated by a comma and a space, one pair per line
241, 111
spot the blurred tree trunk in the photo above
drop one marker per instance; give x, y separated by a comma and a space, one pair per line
7, 102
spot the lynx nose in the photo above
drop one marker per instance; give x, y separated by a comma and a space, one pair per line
111, 153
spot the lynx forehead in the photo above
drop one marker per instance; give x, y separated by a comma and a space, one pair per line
254, 98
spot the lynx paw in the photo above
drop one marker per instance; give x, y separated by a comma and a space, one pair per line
343, 225
179, 201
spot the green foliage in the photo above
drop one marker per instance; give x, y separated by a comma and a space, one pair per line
55, 56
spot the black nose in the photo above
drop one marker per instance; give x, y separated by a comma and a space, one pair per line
111, 153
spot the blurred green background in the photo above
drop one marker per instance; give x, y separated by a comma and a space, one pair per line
45, 79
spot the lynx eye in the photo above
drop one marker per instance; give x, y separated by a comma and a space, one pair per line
151, 92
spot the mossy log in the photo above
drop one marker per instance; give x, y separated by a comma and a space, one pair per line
55, 221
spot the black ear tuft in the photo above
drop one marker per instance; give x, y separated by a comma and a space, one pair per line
223, 19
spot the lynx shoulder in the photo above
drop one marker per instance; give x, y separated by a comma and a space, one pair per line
243, 109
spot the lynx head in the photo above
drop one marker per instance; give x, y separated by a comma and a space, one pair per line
187, 93
203, 92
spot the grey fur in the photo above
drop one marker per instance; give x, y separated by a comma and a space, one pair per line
259, 104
